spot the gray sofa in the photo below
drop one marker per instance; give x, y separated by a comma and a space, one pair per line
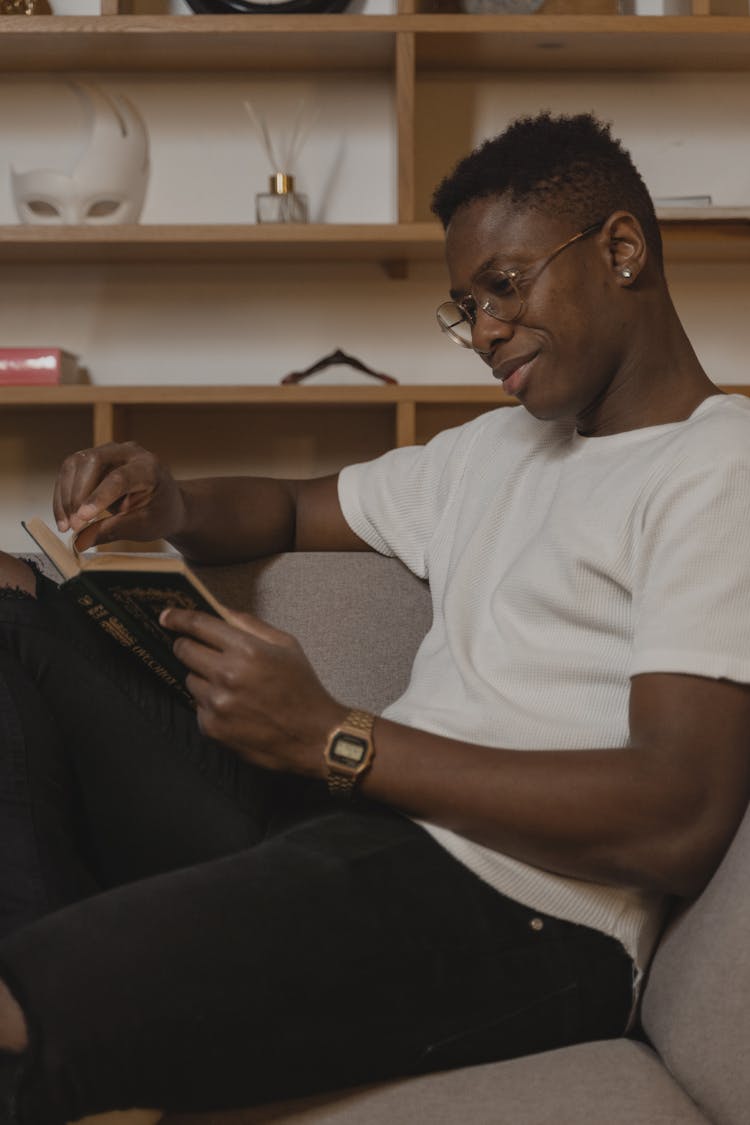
360, 618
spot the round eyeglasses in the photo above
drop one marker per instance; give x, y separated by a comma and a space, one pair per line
498, 293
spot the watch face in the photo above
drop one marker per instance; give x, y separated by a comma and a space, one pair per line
348, 750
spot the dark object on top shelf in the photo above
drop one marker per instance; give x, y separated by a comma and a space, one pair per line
250, 7
329, 361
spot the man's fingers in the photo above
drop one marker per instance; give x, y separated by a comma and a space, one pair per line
94, 480
203, 627
199, 658
100, 530
77, 477
117, 491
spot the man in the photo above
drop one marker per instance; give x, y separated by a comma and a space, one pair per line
570, 753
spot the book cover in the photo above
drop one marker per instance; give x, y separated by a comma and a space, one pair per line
42, 367
125, 593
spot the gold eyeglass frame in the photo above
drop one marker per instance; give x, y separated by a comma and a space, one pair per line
516, 278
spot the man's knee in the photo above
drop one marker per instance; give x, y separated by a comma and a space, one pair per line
13, 1033
15, 574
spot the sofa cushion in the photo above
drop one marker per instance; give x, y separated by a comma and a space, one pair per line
695, 1008
614, 1083
375, 613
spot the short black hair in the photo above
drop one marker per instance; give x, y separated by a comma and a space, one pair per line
565, 165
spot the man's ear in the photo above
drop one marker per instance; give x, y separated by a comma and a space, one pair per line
625, 246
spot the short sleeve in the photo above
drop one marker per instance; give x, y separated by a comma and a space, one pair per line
396, 502
691, 595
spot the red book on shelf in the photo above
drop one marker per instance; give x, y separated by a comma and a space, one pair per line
42, 367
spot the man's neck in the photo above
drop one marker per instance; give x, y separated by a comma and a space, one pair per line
661, 380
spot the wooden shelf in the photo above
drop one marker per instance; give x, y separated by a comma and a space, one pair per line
389, 244
579, 42
407, 414
309, 43
179, 44
258, 395
700, 234
706, 234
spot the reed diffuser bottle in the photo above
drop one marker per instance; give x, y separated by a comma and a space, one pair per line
281, 203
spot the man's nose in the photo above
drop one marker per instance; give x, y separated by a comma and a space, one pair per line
488, 330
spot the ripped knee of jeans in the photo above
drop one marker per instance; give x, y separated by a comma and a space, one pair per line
11, 592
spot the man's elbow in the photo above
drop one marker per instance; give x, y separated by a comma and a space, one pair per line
687, 859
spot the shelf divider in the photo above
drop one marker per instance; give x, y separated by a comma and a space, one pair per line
405, 124
406, 423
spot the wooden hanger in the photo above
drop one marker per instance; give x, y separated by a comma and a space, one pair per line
331, 360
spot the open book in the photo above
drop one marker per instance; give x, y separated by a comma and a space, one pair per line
125, 593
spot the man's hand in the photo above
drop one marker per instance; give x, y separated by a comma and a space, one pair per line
255, 690
125, 480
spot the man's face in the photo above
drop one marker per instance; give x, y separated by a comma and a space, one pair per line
563, 355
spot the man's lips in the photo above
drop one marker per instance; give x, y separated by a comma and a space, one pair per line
511, 373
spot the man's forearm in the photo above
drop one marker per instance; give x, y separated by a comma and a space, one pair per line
233, 519
657, 814
646, 816
589, 814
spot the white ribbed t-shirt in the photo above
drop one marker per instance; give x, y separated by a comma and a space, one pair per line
560, 566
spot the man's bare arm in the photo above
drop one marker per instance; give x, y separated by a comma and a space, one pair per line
131, 495
234, 518
658, 814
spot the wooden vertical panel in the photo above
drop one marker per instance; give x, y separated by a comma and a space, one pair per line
701, 7
405, 98
406, 423
105, 423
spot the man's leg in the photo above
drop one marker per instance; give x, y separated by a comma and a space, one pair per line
104, 776
13, 1034
17, 575
344, 950
102, 779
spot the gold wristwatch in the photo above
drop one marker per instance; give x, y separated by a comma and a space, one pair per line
349, 752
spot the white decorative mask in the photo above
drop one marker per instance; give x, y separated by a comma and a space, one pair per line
107, 185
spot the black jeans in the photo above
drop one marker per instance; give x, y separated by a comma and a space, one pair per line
185, 932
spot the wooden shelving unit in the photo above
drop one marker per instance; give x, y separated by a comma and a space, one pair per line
407, 49
205, 44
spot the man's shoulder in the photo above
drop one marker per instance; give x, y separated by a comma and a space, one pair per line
719, 428
706, 456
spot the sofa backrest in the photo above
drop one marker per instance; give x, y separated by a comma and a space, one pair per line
359, 616
696, 1006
